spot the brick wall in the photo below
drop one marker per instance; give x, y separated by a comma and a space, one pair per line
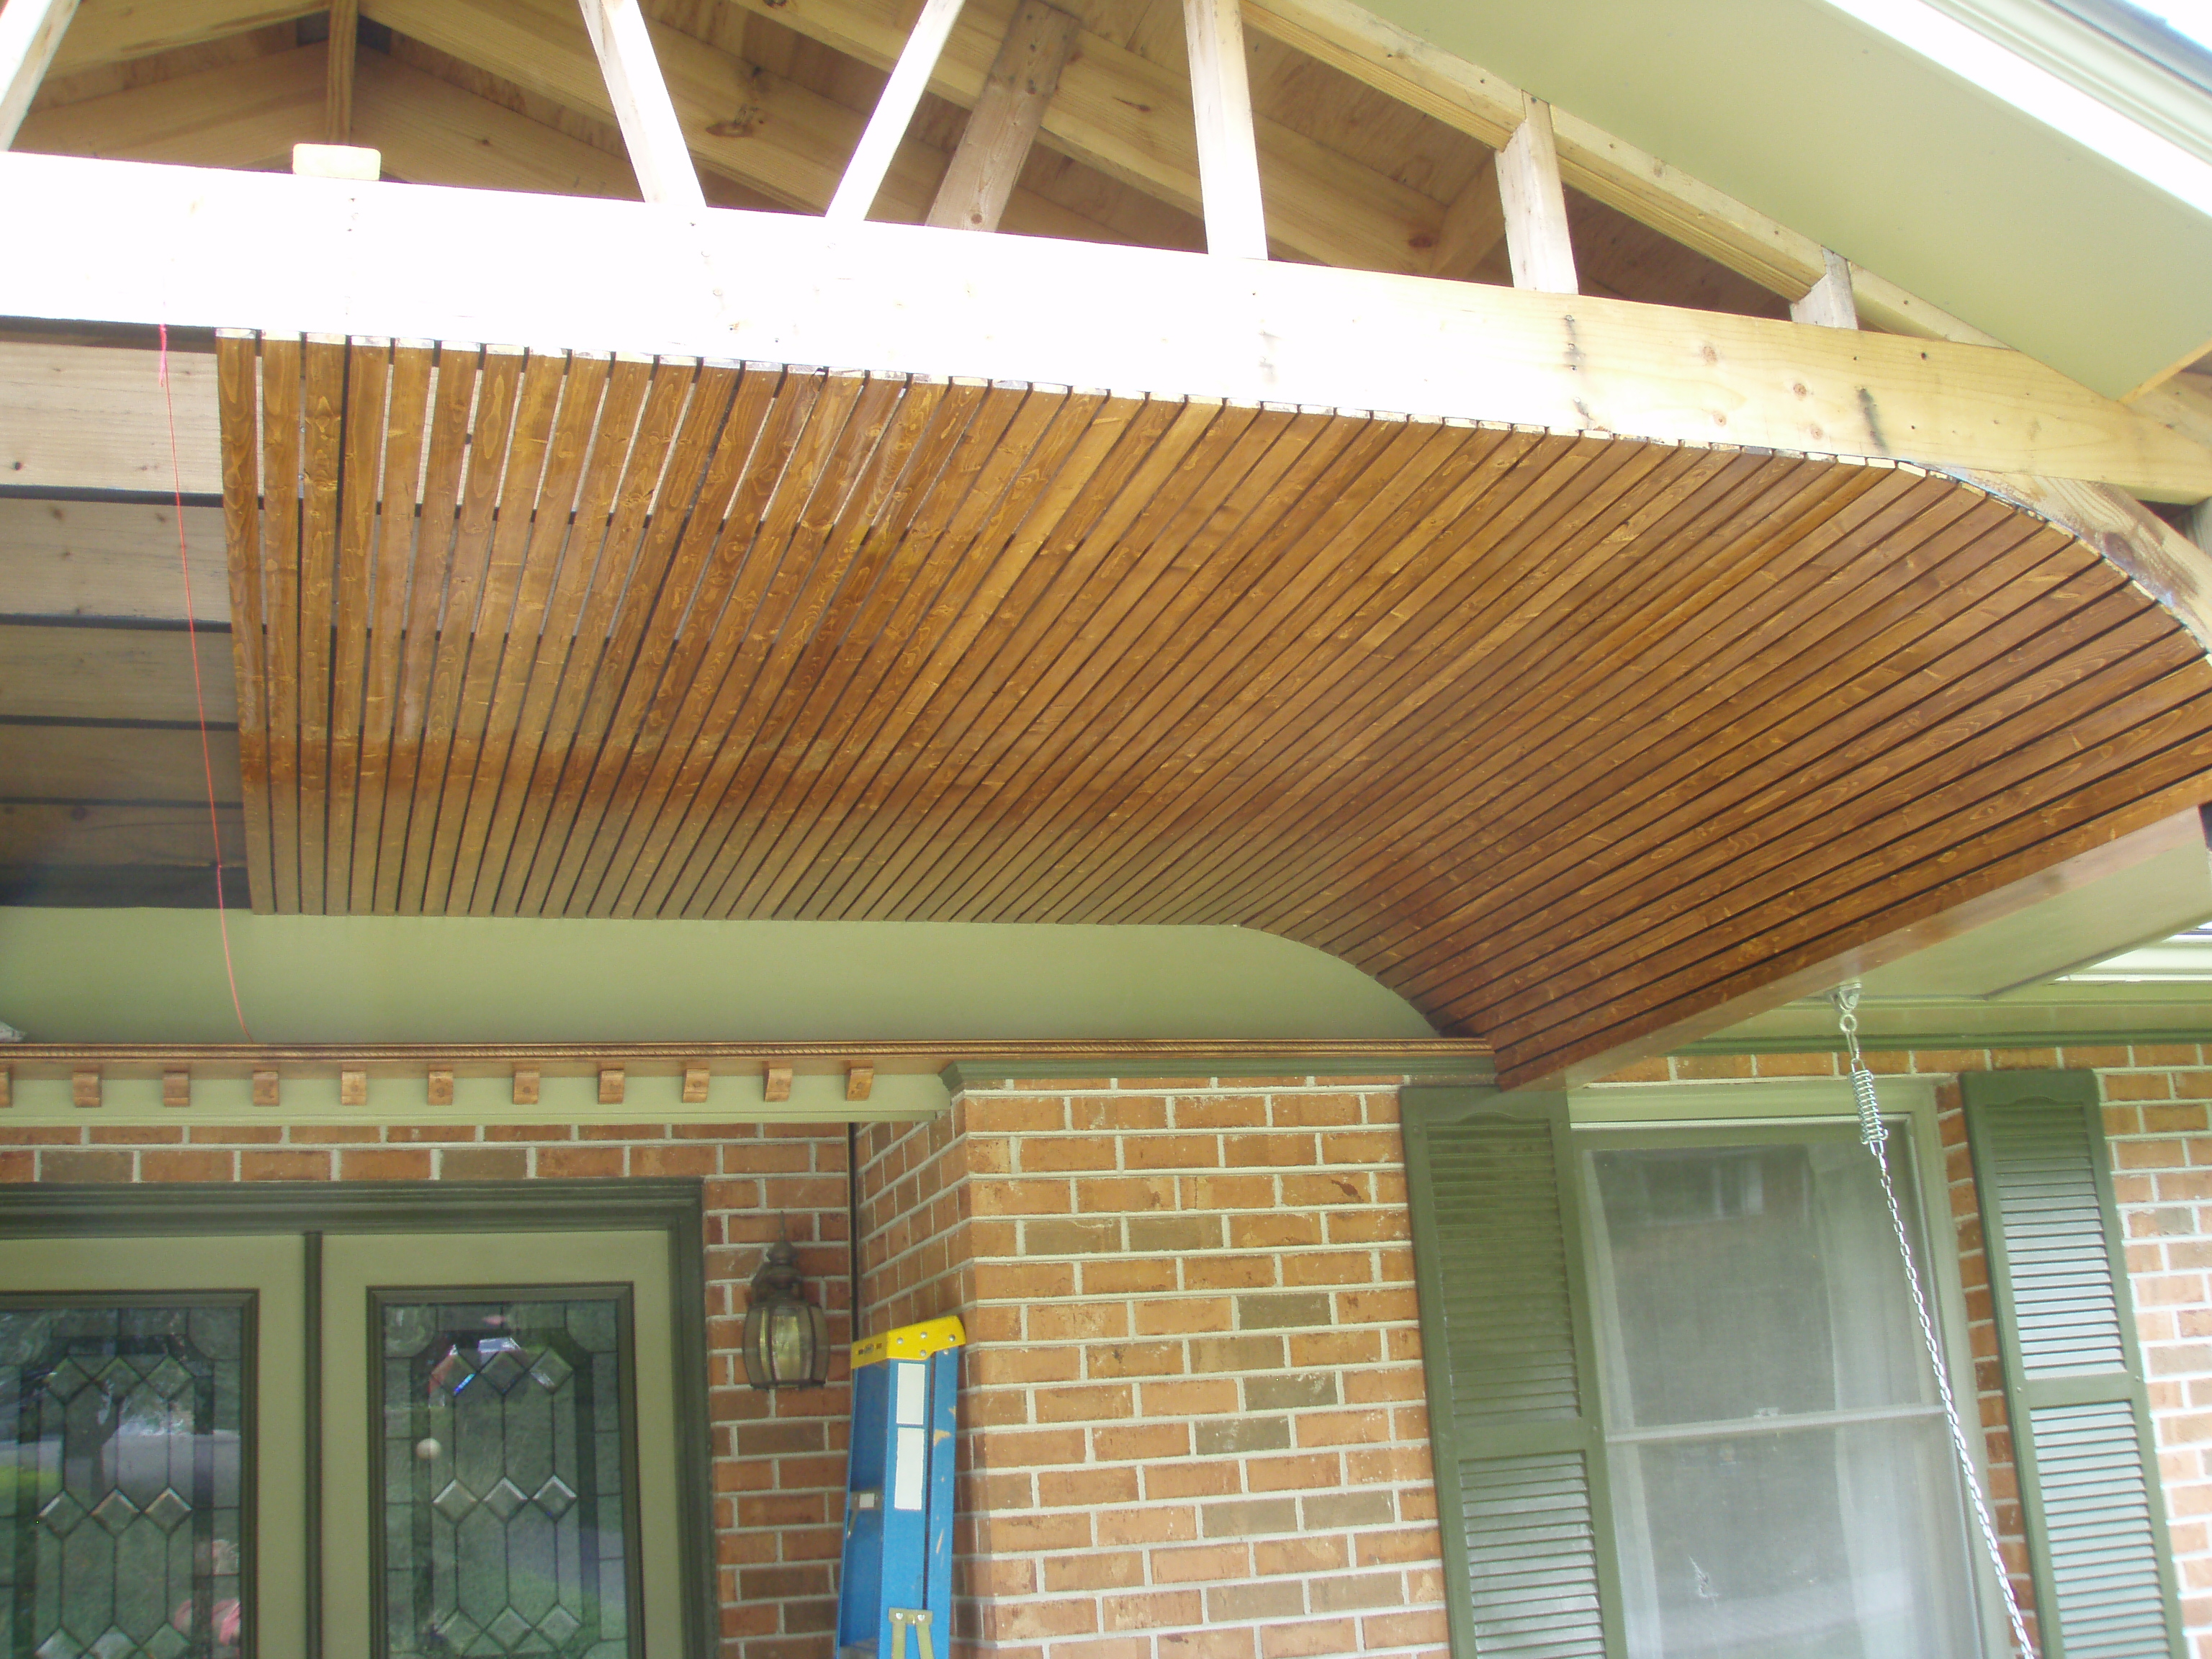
1193, 1421
779, 1473
2158, 1122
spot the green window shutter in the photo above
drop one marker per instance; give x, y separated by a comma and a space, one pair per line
1512, 1378
2074, 1381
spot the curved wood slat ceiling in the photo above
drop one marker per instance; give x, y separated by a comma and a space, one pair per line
1564, 738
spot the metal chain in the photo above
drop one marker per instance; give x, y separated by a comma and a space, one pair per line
1875, 1134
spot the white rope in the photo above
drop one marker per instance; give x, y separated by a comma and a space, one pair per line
1875, 1133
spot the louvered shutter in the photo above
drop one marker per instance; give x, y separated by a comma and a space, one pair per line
2073, 1385
1512, 1380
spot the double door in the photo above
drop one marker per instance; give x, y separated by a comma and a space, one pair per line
379, 1444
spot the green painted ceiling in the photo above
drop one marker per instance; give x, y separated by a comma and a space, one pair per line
157, 975
1845, 134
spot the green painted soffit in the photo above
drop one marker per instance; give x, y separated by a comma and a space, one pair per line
1845, 134
157, 975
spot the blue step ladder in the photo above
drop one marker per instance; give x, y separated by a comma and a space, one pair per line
894, 1595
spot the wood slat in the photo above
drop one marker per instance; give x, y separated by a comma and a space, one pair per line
414, 366
1557, 735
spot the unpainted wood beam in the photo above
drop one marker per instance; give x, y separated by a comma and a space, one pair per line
431, 131
1535, 204
1124, 115
1003, 126
1474, 225
345, 31
1228, 151
770, 135
1469, 98
117, 31
657, 153
1829, 303
245, 114
894, 112
303, 255
30, 32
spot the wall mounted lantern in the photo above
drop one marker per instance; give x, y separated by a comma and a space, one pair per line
787, 1337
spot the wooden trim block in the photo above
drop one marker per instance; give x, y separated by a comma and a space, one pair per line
1829, 302
84, 1088
176, 1088
268, 1088
525, 1085
353, 1088
30, 30
336, 161
611, 1085
440, 1087
659, 154
7, 1087
1228, 151
1535, 204
879, 141
860, 1081
776, 1084
1004, 124
695, 1081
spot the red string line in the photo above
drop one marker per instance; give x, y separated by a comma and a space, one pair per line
199, 696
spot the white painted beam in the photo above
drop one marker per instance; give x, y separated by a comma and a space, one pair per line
650, 131
886, 128
125, 242
30, 30
1228, 153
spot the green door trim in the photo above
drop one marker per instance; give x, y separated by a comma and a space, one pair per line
313, 1208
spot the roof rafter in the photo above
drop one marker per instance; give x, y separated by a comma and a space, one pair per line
739, 120
1131, 120
1469, 98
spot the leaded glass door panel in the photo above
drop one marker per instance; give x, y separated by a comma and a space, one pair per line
151, 1412
499, 1453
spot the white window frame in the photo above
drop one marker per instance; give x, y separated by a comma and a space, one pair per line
1910, 1107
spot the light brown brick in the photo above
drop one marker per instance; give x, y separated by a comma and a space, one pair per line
209, 1164
484, 1163
384, 1164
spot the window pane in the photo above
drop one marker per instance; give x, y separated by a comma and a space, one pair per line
1755, 1281
505, 1475
123, 1446
1780, 1470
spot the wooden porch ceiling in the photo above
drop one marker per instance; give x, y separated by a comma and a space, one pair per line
1564, 737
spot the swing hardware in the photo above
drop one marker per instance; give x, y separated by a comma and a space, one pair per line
1874, 1133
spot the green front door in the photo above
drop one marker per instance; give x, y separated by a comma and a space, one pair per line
371, 1444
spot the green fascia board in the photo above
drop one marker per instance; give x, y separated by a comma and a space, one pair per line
157, 975
1846, 134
